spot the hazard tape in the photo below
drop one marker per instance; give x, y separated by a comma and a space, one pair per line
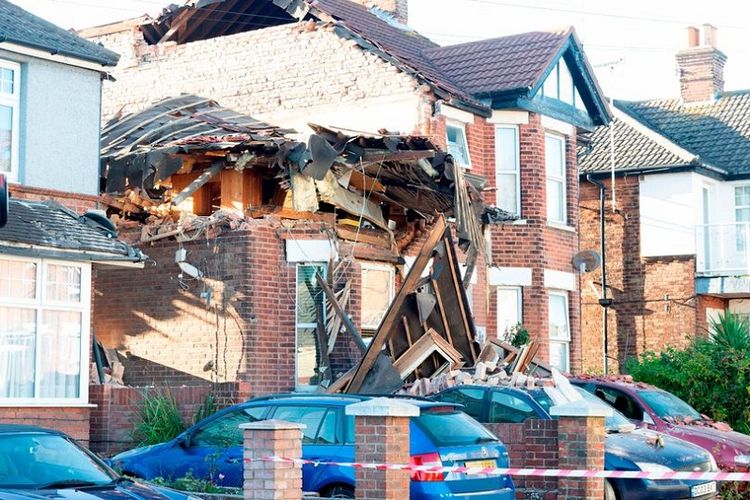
582, 473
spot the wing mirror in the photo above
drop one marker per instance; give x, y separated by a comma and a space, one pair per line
183, 440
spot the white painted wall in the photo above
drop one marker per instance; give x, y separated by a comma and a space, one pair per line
59, 130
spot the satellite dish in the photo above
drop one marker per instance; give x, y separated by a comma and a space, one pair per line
586, 261
190, 270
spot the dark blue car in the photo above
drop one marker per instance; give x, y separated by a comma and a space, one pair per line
212, 449
40, 463
625, 448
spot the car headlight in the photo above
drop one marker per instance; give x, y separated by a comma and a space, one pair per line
652, 467
742, 459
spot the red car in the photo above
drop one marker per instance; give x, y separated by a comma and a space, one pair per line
662, 411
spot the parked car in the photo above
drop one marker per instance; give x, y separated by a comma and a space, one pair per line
41, 463
660, 410
441, 434
626, 448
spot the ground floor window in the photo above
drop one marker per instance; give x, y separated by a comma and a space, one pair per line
44, 318
310, 304
559, 331
377, 294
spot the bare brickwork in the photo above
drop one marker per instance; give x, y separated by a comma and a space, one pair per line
268, 480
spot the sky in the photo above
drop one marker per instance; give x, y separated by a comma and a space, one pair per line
631, 45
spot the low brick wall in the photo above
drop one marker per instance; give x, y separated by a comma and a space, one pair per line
117, 407
531, 444
72, 421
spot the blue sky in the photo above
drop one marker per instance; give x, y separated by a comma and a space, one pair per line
631, 44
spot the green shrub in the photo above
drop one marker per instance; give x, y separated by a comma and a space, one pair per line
206, 409
194, 484
712, 374
158, 419
516, 335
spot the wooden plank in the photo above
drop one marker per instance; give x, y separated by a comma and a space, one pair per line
436, 291
252, 188
195, 185
179, 22
373, 237
407, 330
198, 202
340, 383
240, 189
348, 324
460, 294
429, 344
384, 331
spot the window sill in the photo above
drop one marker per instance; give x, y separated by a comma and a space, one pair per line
43, 404
561, 227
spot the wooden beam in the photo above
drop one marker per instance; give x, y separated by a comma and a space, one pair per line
177, 23
429, 344
460, 294
240, 189
436, 291
348, 324
202, 178
386, 326
198, 18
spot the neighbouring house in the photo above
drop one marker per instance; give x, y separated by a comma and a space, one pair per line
508, 110
50, 86
678, 229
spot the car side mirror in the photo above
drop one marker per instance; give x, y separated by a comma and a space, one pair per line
183, 440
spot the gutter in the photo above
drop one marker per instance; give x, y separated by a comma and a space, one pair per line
36, 251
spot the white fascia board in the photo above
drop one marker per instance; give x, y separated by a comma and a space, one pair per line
559, 280
455, 114
554, 125
509, 276
509, 117
309, 251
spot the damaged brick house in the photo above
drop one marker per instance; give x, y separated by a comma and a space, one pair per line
677, 251
508, 110
50, 90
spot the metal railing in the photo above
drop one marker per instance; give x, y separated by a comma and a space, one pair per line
723, 248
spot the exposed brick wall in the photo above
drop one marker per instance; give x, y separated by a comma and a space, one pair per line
77, 202
113, 419
380, 439
581, 446
531, 444
654, 298
705, 302
73, 421
290, 67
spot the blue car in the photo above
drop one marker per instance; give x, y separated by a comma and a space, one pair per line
625, 447
212, 449
41, 463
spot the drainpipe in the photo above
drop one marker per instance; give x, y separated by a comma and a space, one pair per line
604, 301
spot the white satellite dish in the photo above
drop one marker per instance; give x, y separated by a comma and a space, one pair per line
190, 270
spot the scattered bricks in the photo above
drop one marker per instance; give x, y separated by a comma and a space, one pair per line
268, 479
389, 444
581, 436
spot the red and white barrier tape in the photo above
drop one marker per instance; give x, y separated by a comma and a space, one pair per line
582, 473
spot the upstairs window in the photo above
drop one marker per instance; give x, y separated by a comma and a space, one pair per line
507, 169
554, 155
458, 147
9, 118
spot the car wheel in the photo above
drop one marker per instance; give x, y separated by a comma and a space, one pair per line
340, 491
609, 491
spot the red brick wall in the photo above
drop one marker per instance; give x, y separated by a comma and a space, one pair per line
531, 444
654, 298
704, 302
113, 419
581, 446
79, 203
72, 421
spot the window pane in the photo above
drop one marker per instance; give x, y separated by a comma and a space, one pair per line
508, 304
742, 196
224, 431
17, 279
60, 353
506, 149
555, 201
377, 291
6, 138
6, 80
327, 432
554, 154
307, 356
507, 408
506, 196
63, 283
17, 346
558, 317
566, 84
457, 145
309, 294
311, 417
472, 399
558, 355
550, 84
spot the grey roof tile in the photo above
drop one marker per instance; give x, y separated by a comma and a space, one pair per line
50, 225
24, 28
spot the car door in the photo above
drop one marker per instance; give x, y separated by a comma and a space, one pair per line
624, 403
322, 439
214, 448
473, 400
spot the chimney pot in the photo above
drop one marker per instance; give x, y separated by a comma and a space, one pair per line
709, 35
693, 36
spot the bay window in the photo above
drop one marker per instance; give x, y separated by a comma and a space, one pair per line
44, 331
559, 331
9, 118
554, 155
507, 169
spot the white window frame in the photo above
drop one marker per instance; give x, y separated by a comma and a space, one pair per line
740, 238
519, 306
364, 267
298, 325
40, 303
14, 102
517, 170
552, 177
565, 340
461, 126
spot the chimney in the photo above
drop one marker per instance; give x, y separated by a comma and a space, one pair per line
701, 65
397, 8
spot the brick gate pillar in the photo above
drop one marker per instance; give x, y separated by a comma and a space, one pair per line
382, 436
272, 480
581, 436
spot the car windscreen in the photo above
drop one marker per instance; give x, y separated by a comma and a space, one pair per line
667, 405
449, 427
35, 460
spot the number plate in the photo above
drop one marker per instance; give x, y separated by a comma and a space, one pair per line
482, 464
703, 489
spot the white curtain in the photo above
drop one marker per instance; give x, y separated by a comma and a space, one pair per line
17, 336
60, 354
